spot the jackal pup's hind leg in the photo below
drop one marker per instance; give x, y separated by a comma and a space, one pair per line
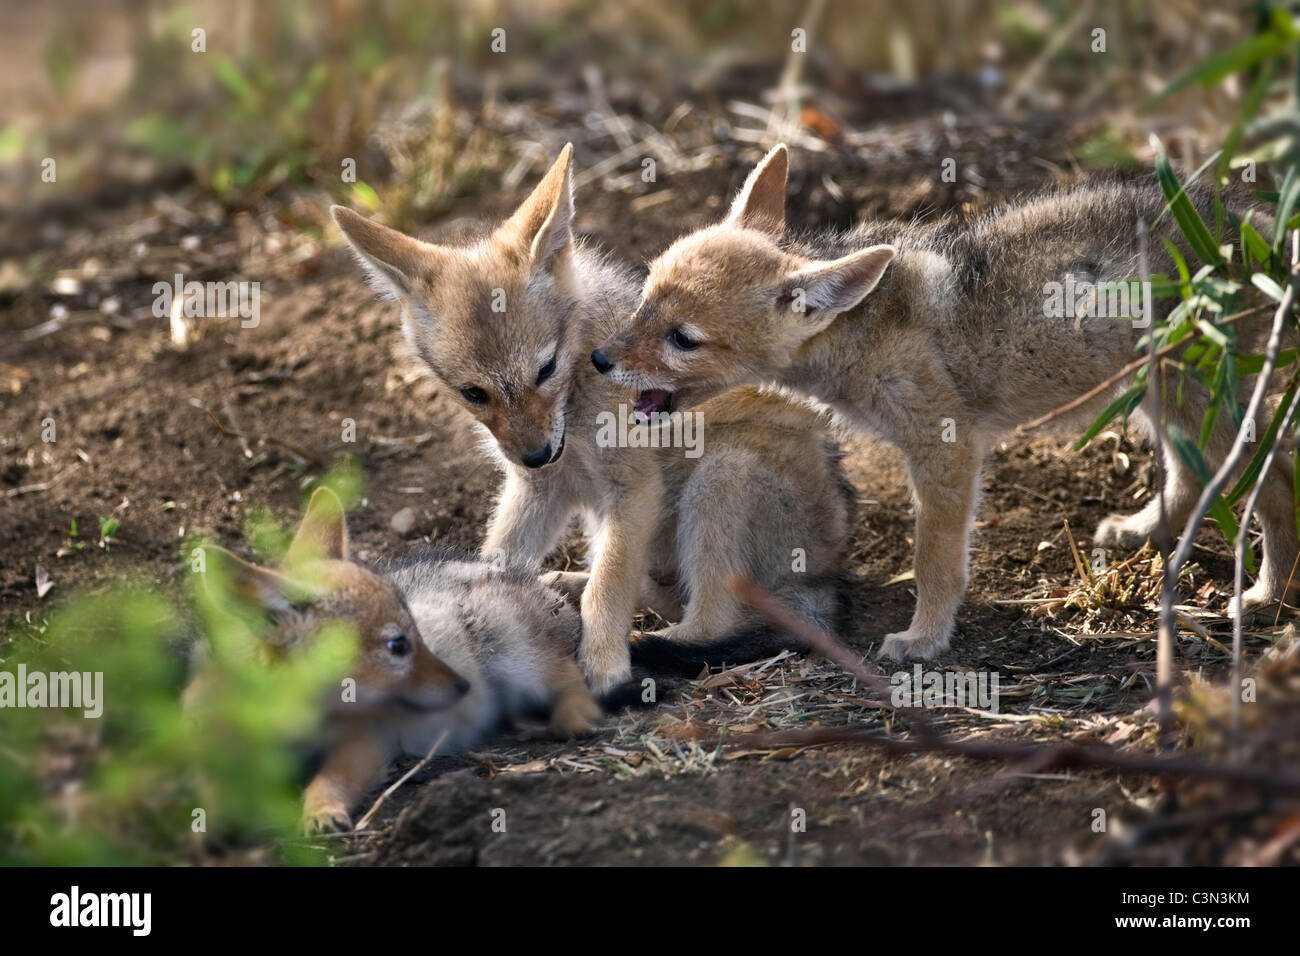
714, 540
739, 516
1181, 492
1275, 509
1276, 512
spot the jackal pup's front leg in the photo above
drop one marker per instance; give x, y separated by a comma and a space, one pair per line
349, 771
530, 517
621, 553
945, 478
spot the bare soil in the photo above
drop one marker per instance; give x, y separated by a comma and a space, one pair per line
134, 441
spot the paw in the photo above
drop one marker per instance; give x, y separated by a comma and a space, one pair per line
575, 715
605, 671
569, 583
679, 634
1121, 531
1258, 603
916, 645
325, 819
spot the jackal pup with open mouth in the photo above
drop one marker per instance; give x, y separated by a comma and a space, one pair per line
936, 337
507, 324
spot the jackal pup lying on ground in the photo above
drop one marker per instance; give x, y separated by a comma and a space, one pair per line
507, 324
958, 342
442, 646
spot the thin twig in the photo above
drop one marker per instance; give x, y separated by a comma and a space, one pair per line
1239, 559
361, 824
1211, 492
1043, 756
307, 456
43, 485
1122, 374
826, 645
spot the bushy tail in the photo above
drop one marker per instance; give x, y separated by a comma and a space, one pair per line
820, 601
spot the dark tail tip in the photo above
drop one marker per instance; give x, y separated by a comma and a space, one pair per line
661, 656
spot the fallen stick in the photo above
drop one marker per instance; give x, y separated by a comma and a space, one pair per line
1122, 374
929, 741
1043, 757
424, 761
306, 456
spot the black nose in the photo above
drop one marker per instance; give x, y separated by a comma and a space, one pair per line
535, 459
462, 686
602, 364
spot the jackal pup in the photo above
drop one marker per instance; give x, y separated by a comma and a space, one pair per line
442, 646
959, 341
507, 324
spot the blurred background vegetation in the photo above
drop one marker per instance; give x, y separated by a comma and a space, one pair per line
414, 92
286, 92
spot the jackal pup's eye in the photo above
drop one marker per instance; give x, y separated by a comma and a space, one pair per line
547, 370
474, 395
399, 646
682, 341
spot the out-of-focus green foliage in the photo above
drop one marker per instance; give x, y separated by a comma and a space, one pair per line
124, 788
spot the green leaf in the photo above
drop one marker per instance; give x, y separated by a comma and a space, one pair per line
1249, 107
1124, 405
1185, 214
1254, 364
1247, 479
1186, 449
365, 196
1266, 285
1253, 241
1213, 69
230, 76
1287, 197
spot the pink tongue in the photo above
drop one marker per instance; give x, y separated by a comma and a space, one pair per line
651, 400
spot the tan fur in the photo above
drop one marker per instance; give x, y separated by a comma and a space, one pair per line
662, 527
956, 343
420, 668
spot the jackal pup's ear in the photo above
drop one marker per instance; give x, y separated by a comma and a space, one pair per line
543, 224
323, 532
761, 202
823, 290
392, 259
260, 587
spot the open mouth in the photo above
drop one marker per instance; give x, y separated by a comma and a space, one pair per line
559, 451
653, 400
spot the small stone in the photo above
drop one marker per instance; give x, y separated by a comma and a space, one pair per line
403, 521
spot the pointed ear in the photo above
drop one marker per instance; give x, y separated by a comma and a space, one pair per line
256, 585
543, 224
825, 289
323, 532
761, 203
393, 260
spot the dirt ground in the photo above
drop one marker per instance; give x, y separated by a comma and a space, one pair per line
135, 441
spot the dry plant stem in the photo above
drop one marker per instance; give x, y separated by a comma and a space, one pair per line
786, 620
306, 456
1029, 77
1237, 452
1122, 374
1239, 557
1042, 756
1169, 579
786, 108
361, 824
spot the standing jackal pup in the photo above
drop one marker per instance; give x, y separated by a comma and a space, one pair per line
442, 646
507, 324
957, 343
